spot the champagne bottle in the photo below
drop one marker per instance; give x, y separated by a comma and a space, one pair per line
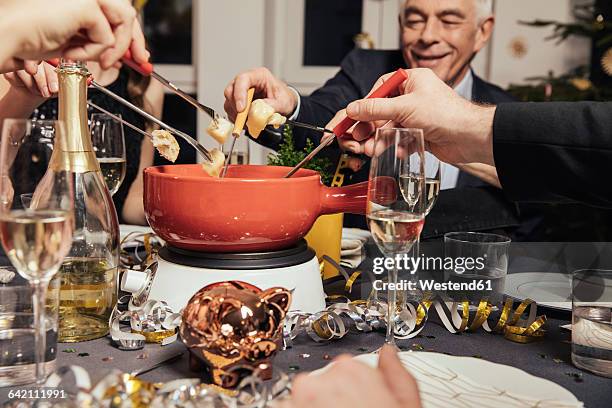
88, 289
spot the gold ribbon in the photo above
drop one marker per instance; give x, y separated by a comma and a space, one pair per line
510, 321
348, 286
156, 336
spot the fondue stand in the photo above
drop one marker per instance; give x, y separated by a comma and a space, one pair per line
180, 273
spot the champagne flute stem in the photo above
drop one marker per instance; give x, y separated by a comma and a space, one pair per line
391, 306
39, 297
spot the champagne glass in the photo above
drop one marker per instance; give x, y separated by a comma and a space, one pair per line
109, 145
395, 211
433, 178
37, 237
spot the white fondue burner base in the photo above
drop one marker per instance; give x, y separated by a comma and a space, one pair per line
180, 274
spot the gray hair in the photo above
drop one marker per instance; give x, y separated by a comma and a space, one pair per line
484, 9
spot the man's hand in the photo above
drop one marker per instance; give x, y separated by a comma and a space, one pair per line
267, 87
75, 29
456, 131
351, 384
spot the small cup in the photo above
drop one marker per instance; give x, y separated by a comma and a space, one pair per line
17, 330
478, 263
592, 321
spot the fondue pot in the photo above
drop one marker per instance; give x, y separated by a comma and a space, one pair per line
252, 209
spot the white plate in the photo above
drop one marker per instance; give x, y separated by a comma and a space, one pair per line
547, 289
482, 383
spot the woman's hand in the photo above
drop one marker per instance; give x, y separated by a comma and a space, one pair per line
41, 85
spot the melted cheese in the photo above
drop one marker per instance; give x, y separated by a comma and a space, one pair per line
220, 129
218, 160
262, 115
166, 144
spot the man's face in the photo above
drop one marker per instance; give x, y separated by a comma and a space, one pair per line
442, 35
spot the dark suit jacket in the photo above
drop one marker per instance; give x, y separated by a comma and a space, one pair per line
565, 151
472, 206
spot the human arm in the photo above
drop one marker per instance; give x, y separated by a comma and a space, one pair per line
133, 208
84, 30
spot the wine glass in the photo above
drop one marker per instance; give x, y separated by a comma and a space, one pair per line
109, 145
36, 237
395, 211
433, 179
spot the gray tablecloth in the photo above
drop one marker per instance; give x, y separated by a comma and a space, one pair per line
549, 359
535, 358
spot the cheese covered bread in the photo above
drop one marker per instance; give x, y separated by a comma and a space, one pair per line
262, 115
218, 160
220, 129
166, 144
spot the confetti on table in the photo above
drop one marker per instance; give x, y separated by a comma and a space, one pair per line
362, 350
558, 360
83, 354
327, 357
294, 367
304, 355
576, 376
107, 359
417, 346
69, 350
430, 336
142, 356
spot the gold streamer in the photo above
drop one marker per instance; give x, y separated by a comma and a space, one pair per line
348, 286
156, 336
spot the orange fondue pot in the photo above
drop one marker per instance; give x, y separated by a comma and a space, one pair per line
252, 209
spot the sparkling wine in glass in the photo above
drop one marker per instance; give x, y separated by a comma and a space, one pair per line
109, 144
36, 237
409, 182
394, 221
432, 175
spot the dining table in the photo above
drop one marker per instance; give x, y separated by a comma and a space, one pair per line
549, 358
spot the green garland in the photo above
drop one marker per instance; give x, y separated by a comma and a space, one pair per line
287, 155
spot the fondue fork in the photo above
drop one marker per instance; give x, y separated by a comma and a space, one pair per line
308, 126
193, 142
238, 126
147, 69
121, 120
382, 91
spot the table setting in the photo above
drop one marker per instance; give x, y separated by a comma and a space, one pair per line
222, 302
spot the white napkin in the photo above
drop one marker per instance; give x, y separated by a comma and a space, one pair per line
352, 250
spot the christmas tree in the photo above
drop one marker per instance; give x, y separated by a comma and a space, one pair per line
588, 82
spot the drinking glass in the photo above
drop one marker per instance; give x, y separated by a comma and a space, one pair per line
433, 177
36, 238
592, 321
109, 145
480, 262
17, 330
395, 211
240, 155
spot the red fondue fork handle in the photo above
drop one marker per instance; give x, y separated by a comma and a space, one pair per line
382, 91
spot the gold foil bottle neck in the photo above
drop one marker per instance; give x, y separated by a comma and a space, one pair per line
74, 151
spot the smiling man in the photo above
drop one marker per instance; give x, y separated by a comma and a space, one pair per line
443, 35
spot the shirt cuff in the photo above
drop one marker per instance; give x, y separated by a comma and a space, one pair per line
296, 111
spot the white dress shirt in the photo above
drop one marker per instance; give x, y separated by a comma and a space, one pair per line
450, 174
